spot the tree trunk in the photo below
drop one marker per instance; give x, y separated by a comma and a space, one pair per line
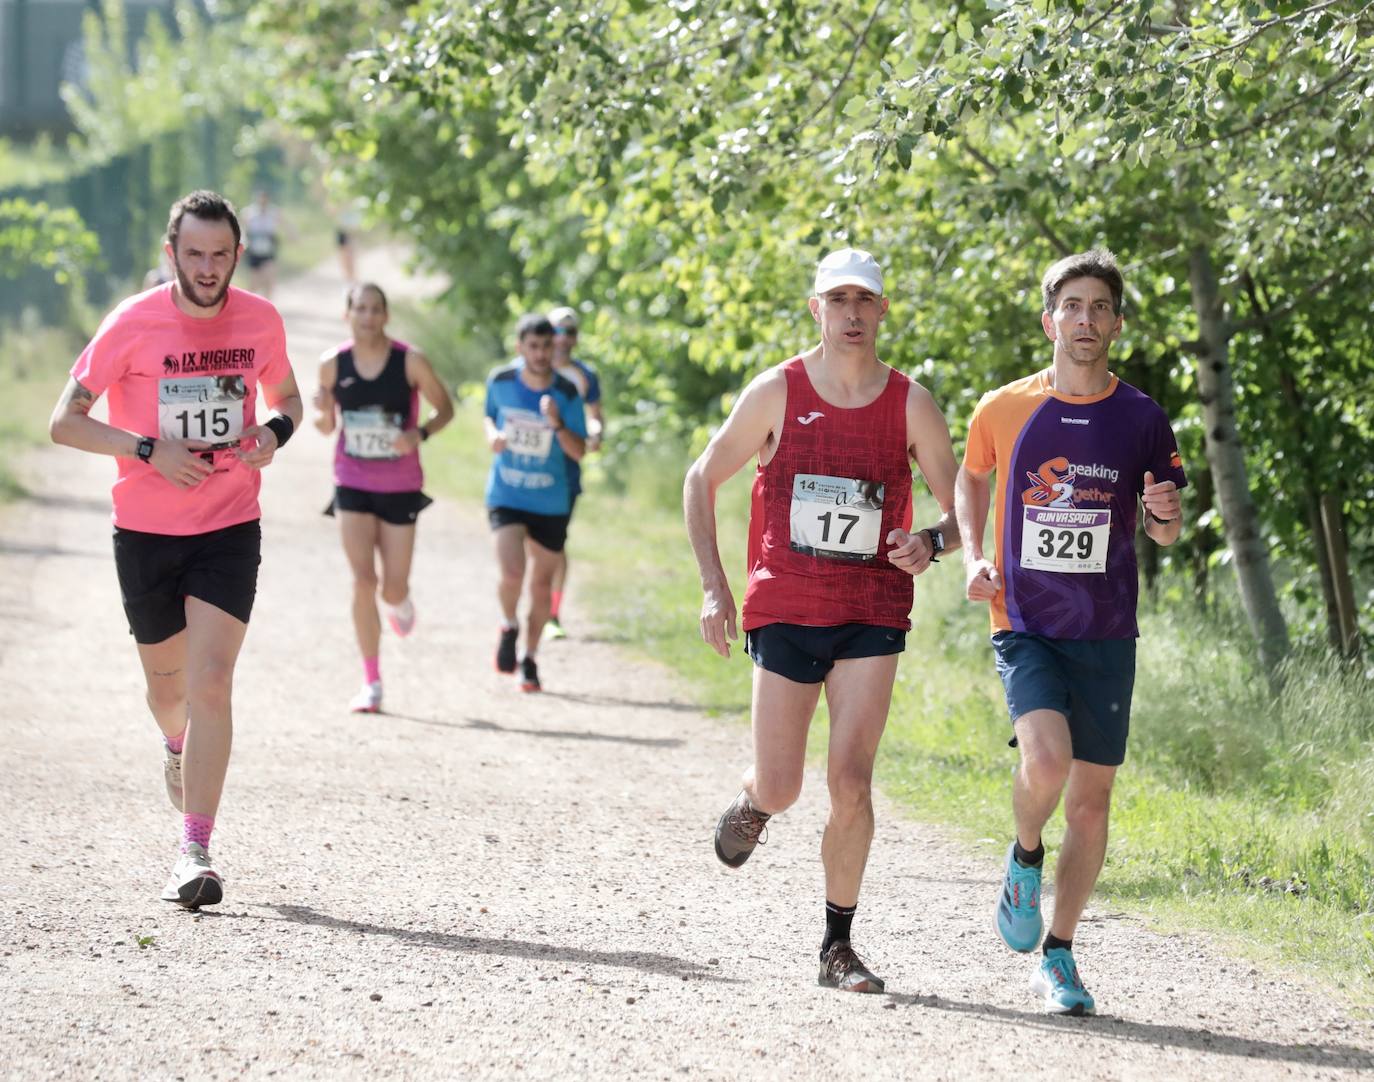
1216, 390
1334, 522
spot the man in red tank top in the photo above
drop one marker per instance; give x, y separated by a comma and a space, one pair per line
831, 564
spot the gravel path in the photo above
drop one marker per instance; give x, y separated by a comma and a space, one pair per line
482, 884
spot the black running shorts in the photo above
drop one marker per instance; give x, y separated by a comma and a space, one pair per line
807, 654
550, 531
396, 508
158, 572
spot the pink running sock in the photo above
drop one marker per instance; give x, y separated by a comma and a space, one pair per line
372, 667
175, 743
557, 603
195, 829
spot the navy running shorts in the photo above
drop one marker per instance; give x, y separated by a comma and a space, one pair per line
550, 531
807, 654
158, 572
1089, 681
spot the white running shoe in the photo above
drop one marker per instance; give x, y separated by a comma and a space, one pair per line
401, 617
368, 700
171, 774
193, 883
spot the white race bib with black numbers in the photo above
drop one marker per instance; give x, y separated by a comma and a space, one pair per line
371, 433
208, 408
527, 434
838, 518
1066, 540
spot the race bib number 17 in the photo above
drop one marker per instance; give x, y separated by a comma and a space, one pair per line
838, 518
1065, 540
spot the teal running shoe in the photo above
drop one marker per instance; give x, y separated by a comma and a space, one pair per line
1019, 922
1056, 981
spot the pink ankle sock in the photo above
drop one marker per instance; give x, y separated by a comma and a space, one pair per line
175, 743
372, 668
196, 829
557, 603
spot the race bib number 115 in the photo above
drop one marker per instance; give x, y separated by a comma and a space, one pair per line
208, 408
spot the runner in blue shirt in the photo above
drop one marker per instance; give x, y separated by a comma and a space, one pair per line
535, 424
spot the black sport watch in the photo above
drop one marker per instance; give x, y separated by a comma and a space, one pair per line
937, 543
144, 450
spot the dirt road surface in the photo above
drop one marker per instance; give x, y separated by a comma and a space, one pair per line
487, 885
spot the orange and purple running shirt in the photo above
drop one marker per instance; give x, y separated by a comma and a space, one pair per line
171, 376
1069, 474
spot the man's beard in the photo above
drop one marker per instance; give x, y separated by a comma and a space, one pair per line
188, 288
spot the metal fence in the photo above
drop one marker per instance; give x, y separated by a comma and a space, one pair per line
124, 202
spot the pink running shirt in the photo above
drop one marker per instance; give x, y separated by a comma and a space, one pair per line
171, 376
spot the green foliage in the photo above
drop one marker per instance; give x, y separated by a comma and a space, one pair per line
53, 238
126, 103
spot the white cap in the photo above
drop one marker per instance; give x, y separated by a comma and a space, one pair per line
849, 267
563, 315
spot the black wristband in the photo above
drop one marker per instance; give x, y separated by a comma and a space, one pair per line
424, 433
281, 427
1161, 521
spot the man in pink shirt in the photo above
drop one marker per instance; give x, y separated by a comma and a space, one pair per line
182, 364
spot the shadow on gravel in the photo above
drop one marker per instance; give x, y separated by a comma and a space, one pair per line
663, 964
644, 704
553, 734
1109, 1028
25, 548
68, 503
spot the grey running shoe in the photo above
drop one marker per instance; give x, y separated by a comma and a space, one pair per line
193, 883
740, 831
843, 969
171, 774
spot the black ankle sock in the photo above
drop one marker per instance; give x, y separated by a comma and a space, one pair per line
1029, 858
838, 918
1052, 942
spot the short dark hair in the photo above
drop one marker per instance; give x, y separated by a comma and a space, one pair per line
356, 291
1096, 263
534, 323
206, 205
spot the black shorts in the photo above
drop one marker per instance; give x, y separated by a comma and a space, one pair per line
397, 508
158, 572
257, 262
807, 654
1089, 681
550, 531
341, 238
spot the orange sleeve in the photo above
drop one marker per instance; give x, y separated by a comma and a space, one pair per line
980, 452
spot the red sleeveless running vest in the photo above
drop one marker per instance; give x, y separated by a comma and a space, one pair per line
822, 508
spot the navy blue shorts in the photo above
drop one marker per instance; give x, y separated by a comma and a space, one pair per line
1089, 681
807, 654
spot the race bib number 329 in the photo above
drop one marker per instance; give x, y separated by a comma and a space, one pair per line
838, 518
1066, 540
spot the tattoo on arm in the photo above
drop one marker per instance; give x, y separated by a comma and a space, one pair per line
79, 399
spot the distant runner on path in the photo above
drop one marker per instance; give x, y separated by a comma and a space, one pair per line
831, 563
370, 388
583, 377
1074, 449
182, 364
534, 423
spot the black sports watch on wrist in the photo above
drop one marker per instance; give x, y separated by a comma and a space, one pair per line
144, 450
937, 543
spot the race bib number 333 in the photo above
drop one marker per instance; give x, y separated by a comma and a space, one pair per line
838, 518
1066, 540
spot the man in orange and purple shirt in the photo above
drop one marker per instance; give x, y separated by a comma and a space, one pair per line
1074, 449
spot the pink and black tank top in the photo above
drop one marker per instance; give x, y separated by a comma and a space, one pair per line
372, 413
822, 508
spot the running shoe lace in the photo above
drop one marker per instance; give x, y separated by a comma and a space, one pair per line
749, 825
844, 960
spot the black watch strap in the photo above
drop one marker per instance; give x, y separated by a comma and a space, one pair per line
144, 450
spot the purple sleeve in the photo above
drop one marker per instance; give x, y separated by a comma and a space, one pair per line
1164, 461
